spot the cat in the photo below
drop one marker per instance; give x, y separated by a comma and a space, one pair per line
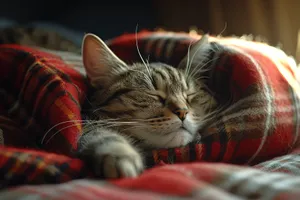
134, 107
140, 107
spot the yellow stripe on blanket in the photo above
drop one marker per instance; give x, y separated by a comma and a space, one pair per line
68, 113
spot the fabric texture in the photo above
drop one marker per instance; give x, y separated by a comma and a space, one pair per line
43, 95
39, 91
178, 181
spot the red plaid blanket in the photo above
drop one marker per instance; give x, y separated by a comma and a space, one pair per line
41, 90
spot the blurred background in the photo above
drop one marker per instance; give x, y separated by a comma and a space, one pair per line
277, 21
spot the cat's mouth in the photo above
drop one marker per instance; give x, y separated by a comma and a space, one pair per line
184, 128
180, 137
170, 138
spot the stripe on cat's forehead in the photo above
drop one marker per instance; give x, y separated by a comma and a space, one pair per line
165, 77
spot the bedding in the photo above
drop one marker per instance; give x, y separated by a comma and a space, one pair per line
250, 152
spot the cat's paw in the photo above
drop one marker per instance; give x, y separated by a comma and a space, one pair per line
117, 160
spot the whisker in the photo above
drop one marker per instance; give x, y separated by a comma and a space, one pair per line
106, 125
116, 125
224, 29
187, 68
58, 132
77, 122
193, 73
147, 60
85, 96
202, 78
61, 123
195, 53
140, 55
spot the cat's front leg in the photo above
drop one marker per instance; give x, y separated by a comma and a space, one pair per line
110, 154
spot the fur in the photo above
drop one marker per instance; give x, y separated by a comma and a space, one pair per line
135, 107
140, 106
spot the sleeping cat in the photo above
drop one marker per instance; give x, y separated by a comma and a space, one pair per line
140, 106
136, 107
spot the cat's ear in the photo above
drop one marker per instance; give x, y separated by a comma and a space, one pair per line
100, 63
196, 52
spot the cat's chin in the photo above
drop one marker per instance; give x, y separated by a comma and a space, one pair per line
176, 138
180, 137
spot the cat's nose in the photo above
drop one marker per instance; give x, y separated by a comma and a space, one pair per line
181, 113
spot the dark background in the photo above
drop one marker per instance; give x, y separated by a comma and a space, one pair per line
275, 20
106, 18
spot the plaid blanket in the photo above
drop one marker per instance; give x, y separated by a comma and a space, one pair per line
262, 121
42, 91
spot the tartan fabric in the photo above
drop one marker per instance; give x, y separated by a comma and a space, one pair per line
27, 166
289, 164
178, 181
40, 89
263, 120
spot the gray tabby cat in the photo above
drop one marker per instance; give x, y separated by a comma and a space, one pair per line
140, 106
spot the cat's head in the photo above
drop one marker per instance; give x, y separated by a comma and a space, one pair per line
158, 104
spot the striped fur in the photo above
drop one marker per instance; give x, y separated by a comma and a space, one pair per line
157, 105
149, 105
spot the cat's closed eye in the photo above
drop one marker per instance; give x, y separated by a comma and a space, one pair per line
158, 96
192, 94
196, 98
